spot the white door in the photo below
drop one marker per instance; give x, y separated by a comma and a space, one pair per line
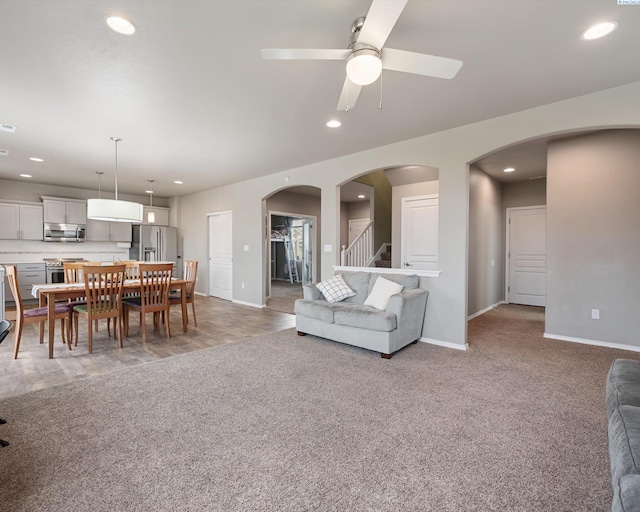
419, 233
308, 235
526, 255
356, 227
220, 256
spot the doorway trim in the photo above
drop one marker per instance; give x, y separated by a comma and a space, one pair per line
314, 257
507, 260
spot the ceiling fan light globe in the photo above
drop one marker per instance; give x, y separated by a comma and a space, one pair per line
364, 67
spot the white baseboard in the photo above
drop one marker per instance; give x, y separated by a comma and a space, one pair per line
483, 311
584, 341
446, 344
201, 294
250, 304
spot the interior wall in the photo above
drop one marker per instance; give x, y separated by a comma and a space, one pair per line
593, 237
486, 242
397, 194
382, 206
525, 193
450, 151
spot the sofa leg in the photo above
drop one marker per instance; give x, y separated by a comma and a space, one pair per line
300, 333
386, 356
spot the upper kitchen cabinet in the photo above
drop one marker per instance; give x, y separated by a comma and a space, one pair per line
103, 231
21, 221
64, 211
160, 216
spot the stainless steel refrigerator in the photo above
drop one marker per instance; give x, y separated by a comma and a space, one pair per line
156, 244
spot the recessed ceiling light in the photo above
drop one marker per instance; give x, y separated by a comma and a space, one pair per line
36, 159
121, 25
599, 30
178, 182
509, 169
26, 176
361, 196
334, 124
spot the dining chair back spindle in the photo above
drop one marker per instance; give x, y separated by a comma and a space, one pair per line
190, 275
25, 316
155, 280
103, 289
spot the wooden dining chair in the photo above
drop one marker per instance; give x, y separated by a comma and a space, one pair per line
103, 288
26, 316
74, 273
155, 279
190, 274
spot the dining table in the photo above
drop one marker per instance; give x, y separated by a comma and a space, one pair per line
48, 294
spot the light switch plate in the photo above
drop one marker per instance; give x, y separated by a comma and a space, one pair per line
328, 248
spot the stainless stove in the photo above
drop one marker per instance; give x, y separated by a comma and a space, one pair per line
55, 268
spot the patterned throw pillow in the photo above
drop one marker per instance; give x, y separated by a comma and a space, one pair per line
335, 289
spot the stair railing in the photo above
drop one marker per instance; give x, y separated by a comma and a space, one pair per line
360, 252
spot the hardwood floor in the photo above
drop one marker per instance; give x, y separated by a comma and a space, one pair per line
219, 322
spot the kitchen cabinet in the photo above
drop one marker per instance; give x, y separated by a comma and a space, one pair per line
102, 231
28, 274
64, 211
21, 221
161, 215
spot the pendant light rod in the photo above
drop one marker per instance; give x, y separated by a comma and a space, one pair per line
116, 140
99, 173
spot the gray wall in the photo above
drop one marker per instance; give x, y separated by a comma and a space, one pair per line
398, 193
450, 151
593, 237
525, 193
486, 241
382, 199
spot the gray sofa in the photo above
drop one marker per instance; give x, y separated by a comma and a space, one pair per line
623, 408
351, 322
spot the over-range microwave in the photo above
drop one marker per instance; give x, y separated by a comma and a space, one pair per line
64, 232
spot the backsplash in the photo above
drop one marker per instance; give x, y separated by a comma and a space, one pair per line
25, 251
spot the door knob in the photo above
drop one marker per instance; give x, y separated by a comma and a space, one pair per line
407, 264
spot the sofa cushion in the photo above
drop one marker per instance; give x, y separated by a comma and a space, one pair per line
623, 384
318, 309
624, 442
382, 291
408, 282
364, 317
359, 283
626, 495
335, 289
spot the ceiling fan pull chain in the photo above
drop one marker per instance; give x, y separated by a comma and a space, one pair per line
380, 92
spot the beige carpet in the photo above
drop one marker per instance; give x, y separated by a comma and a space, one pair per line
516, 423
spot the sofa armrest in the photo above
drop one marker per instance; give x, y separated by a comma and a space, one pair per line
409, 307
310, 292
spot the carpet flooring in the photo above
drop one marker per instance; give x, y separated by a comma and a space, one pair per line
516, 423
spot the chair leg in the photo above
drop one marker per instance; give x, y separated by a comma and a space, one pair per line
144, 328
66, 322
167, 323
109, 328
119, 322
75, 326
90, 329
62, 328
125, 314
42, 332
16, 343
193, 308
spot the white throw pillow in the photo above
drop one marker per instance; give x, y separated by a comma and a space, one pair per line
382, 291
335, 289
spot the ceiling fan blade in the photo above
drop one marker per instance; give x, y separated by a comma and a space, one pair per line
420, 63
381, 18
349, 95
304, 54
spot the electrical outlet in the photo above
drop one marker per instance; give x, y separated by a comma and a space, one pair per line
595, 314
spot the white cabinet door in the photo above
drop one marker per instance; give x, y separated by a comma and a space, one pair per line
10, 225
31, 222
55, 212
76, 212
97, 230
120, 231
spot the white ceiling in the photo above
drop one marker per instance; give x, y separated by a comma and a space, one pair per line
193, 100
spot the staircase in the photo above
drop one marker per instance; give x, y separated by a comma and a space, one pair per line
385, 258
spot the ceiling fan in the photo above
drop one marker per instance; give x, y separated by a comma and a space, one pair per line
366, 57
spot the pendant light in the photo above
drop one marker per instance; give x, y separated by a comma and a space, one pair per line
151, 215
112, 209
